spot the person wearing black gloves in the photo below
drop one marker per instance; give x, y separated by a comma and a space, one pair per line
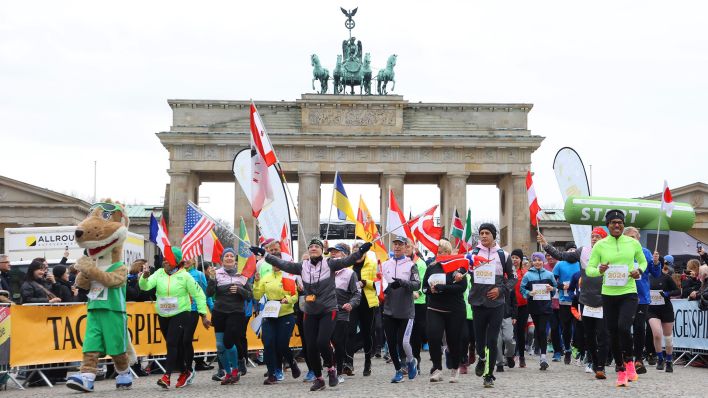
446, 314
401, 275
320, 302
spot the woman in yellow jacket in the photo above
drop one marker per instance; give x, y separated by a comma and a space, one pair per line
363, 315
276, 331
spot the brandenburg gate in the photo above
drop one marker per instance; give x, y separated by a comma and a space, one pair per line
375, 139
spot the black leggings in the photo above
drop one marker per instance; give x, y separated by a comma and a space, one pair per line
419, 335
301, 330
189, 334
540, 322
230, 324
639, 328
567, 322
522, 318
339, 341
174, 330
487, 324
595, 330
619, 312
450, 324
363, 317
398, 334
554, 321
318, 332
467, 346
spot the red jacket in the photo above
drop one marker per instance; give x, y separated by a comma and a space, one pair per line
520, 300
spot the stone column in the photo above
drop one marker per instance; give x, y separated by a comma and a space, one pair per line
453, 195
184, 186
514, 222
395, 182
308, 198
242, 208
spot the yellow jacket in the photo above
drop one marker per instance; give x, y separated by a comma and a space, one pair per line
271, 285
368, 274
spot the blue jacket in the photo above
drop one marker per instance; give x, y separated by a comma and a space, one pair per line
643, 283
202, 282
564, 271
532, 277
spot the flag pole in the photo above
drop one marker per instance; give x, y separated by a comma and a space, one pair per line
658, 227
216, 222
398, 227
279, 168
331, 204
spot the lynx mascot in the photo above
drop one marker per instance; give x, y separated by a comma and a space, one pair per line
103, 273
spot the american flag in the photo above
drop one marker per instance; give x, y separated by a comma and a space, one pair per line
196, 226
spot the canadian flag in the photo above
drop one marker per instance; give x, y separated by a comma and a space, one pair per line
667, 201
534, 208
424, 229
396, 222
158, 236
285, 252
260, 138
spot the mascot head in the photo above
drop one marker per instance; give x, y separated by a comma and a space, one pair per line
104, 229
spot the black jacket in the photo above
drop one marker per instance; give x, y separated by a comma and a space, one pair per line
134, 293
62, 289
450, 296
34, 292
690, 285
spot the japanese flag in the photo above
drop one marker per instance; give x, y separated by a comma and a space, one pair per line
667, 202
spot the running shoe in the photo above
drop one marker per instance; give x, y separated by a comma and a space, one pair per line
500, 368
479, 369
279, 375
340, 378
651, 359
367, 368
588, 368
522, 362
639, 367
510, 362
544, 364
462, 369
184, 379
80, 383
270, 380
426, 347
660, 364
164, 381
309, 377
398, 377
567, 358
556, 357
124, 381
412, 369
669, 367
347, 370
436, 376
600, 375
453, 375
318, 384
218, 376
332, 375
489, 381
631, 371
622, 379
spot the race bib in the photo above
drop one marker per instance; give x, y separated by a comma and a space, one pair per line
592, 312
271, 309
540, 292
484, 274
167, 305
97, 291
436, 279
616, 275
656, 297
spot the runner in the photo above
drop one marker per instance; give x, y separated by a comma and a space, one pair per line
554, 320
491, 284
640, 318
418, 335
522, 309
231, 291
594, 325
614, 257
539, 284
661, 315
564, 271
401, 275
446, 314
348, 298
175, 291
320, 302
506, 345
362, 317
199, 277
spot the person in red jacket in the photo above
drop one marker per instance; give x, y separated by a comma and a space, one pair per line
522, 311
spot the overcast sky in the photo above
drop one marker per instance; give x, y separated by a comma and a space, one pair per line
624, 83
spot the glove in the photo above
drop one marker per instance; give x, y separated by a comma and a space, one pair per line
363, 282
665, 294
258, 251
395, 284
365, 247
440, 287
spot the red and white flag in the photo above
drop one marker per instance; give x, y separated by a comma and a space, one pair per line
534, 208
396, 222
212, 248
285, 252
259, 136
289, 284
453, 262
261, 190
424, 229
667, 201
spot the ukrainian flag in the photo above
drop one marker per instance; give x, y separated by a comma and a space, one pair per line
340, 200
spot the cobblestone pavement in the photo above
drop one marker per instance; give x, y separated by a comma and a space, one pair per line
559, 381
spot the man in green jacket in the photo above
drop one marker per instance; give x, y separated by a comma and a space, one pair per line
614, 257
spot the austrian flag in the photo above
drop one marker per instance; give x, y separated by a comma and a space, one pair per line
534, 208
260, 138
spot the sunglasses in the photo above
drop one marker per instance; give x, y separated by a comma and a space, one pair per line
106, 207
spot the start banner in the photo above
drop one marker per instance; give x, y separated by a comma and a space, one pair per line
691, 326
44, 334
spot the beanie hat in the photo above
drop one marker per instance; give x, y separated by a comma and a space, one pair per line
599, 231
228, 250
570, 245
58, 271
538, 255
489, 227
669, 259
613, 215
177, 251
518, 253
316, 241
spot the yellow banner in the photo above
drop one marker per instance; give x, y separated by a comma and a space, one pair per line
54, 334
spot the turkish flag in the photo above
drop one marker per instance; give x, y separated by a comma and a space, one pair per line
425, 231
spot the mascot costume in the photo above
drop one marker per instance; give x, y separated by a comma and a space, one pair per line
104, 275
